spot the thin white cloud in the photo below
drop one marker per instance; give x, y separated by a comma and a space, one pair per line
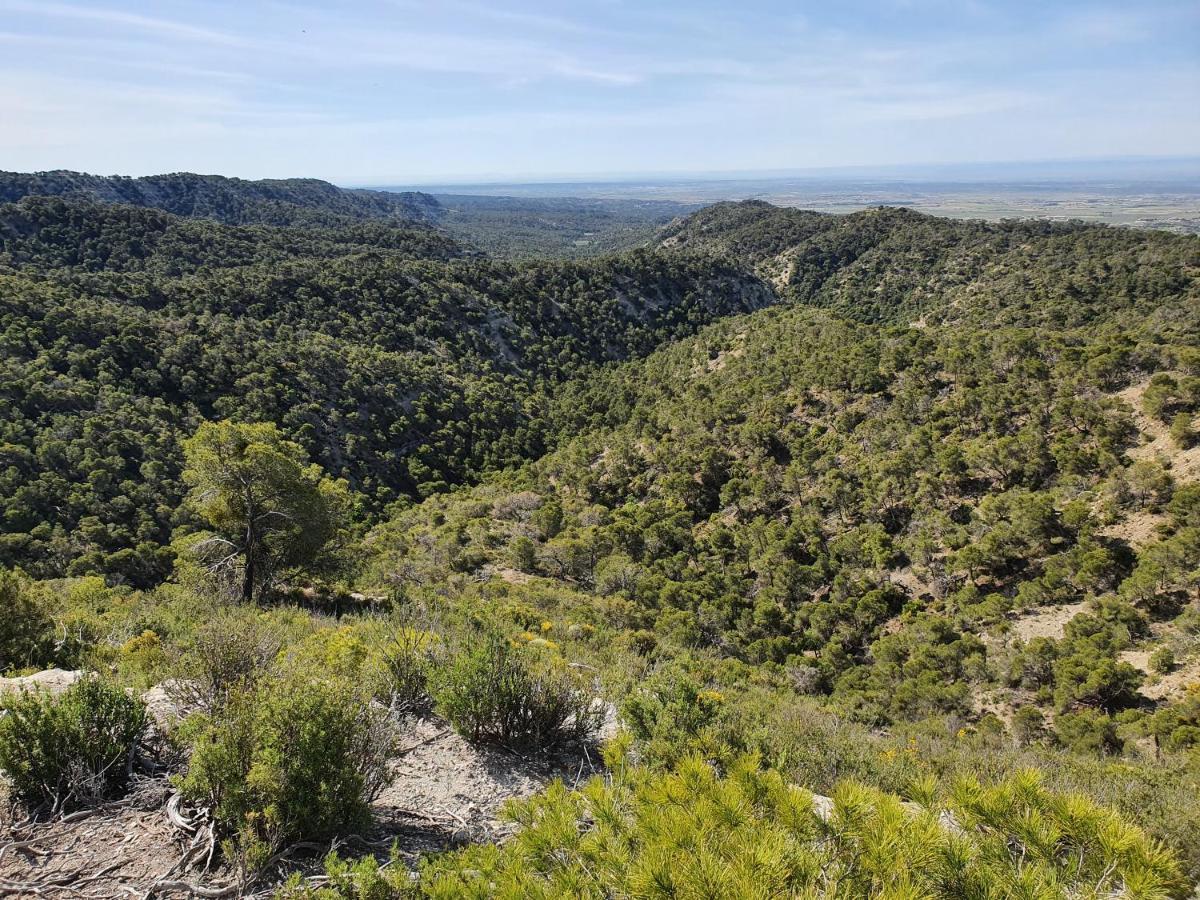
121, 19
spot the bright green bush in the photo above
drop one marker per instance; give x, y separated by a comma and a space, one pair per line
289, 760
493, 692
69, 750
1162, 660
749, 834
672, 713
353, 879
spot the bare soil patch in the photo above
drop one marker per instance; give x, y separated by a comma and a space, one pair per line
1047, 622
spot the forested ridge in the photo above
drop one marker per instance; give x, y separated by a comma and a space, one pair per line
234, 201
895, 265
899, 509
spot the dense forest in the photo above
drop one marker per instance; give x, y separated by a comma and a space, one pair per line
401, 361
851, 555
532, 227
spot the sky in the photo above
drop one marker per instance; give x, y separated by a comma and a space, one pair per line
400, 91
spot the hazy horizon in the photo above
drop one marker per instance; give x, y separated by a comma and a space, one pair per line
1130, 168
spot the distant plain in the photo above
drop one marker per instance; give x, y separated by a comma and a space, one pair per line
1146, 196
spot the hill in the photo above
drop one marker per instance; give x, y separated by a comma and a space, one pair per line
233, 201
971, 538
894, 265
403, 363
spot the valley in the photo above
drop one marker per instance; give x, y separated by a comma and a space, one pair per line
867, 541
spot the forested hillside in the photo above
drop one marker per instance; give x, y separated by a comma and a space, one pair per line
401, 362
234, 201
894, 265
869, 544
978, 540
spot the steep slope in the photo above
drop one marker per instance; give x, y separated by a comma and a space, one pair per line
402, 364
292, 201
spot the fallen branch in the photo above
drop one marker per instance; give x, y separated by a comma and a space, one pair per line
195, 890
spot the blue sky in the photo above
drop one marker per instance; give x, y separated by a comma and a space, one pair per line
401, 91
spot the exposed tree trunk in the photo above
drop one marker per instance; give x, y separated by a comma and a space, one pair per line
251, 551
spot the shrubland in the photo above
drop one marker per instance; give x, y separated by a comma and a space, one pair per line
891, 582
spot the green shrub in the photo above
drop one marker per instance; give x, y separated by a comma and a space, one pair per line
1087, 677
1182, 432
353, 879
693, 833
1087, 731
287, 760
69, 750
1028, 726
229, 653
408, 656
493, 692
143, 661
1162, 660
26, 631
673, 714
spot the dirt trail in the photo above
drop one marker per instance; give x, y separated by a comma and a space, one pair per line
442, 780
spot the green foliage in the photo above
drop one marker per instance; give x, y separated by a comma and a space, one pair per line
291, 759
1177, 727
26, 630
270, 509
409, 654
400, 362
1088, 677
533, 227
1028, 725
353, 879
227, 655
491, 691
896, 265
692, 833
1167, 397
72, 749
1162, 660
812, 532
1087, 731
672, 714
1182, 432
299, 201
